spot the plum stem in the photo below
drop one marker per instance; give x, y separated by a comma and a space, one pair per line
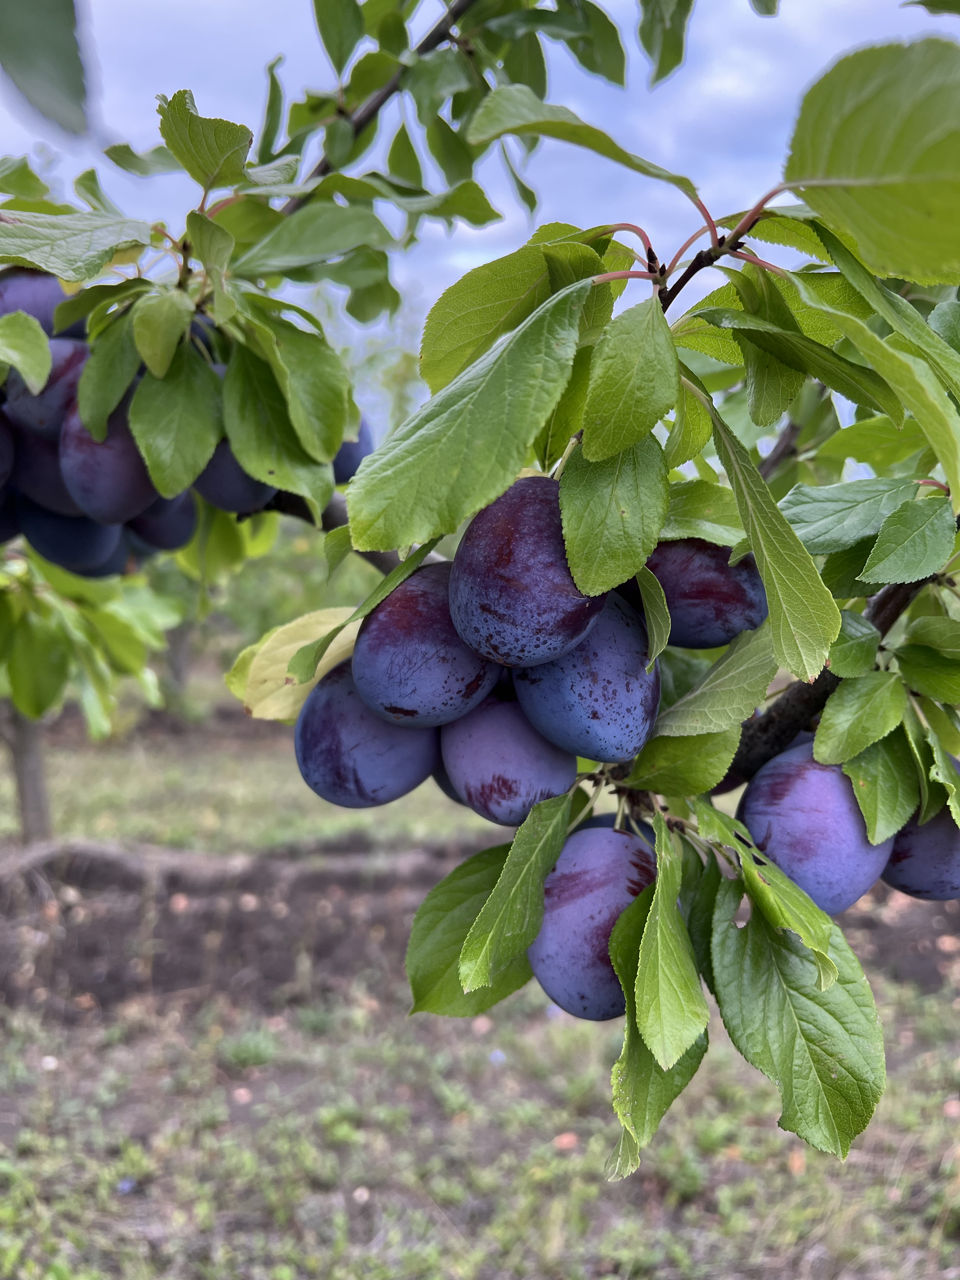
572, 443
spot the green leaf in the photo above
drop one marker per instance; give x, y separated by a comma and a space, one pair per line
885, 785
699, 509
877, 442
88, 188
671, 1010
803, 616
144, 164
894, 192
24, 345
832, 517
463, 448
160, 322
73, 246
209, 242
859, 712
434, 77
785, 906
450, 151
688, 766
822, 1049
111, 367
915, 541
402, 161
564, 421
177, 420
612, 512
690, 432
97, 297
932, 795
772, 386
469, 317
516, 109
634, 380
510, 918
212, 151
729, 692
930, 673
655, 613
943, 770
599, 48
942, 634
523, 63
340, 23
40, 54
263, 438
38, 664
18, 179
854, 652
663, 27
439, 931
304, 662
642, 1090
313, 234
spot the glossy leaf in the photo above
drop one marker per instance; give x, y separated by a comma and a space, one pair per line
729, 692
858, 713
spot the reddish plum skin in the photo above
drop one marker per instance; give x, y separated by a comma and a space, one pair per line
352, 452
168, 524
710, 603
511, 594
409, 665
225, 484
597, 700
597, 875
351, 757
925, 862
803, 816
44, 413
500, 766
37, 474
108, 480
73, 542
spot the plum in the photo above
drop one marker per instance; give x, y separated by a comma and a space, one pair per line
225, 484
925, 862
710, 602
73, 542
168, 524
512, 597
350, 756
38, 294
8, 450
37, 474
352, 452
9, 524
108, 480
598, 700
45, 412
409, 665
500, 766
804, 817
597, 875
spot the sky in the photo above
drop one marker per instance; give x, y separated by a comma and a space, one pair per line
724, 118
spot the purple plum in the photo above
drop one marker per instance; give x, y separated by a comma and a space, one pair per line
352, 452
500, 766
925, 862
72, 542
512, 597
37, 474
350, 756
597, 875
38, 294
44, 413
710, 602
108, 480
225, 484
168, 524
409, 665
804, 817
8, 450
598, 700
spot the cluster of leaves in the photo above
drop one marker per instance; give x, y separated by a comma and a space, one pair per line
663, 431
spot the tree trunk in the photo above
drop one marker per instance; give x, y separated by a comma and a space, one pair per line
177, 667
25, 741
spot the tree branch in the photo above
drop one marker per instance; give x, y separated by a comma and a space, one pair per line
368, 112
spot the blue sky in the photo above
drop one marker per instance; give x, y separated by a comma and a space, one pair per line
724, 118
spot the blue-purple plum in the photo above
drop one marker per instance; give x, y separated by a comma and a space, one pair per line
168, 524
108, 480
608, 821
120, 559
710, 601
8, 450
37, 474
38, 294
925, 862
804, 817
350, 756
352, 452
73, 542
9, 524
500, 766
45, 412
512, 597
446, 786
225, 484
598, 700
409, 665
598, 874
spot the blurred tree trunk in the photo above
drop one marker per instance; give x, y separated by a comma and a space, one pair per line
24, 739
177, 667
